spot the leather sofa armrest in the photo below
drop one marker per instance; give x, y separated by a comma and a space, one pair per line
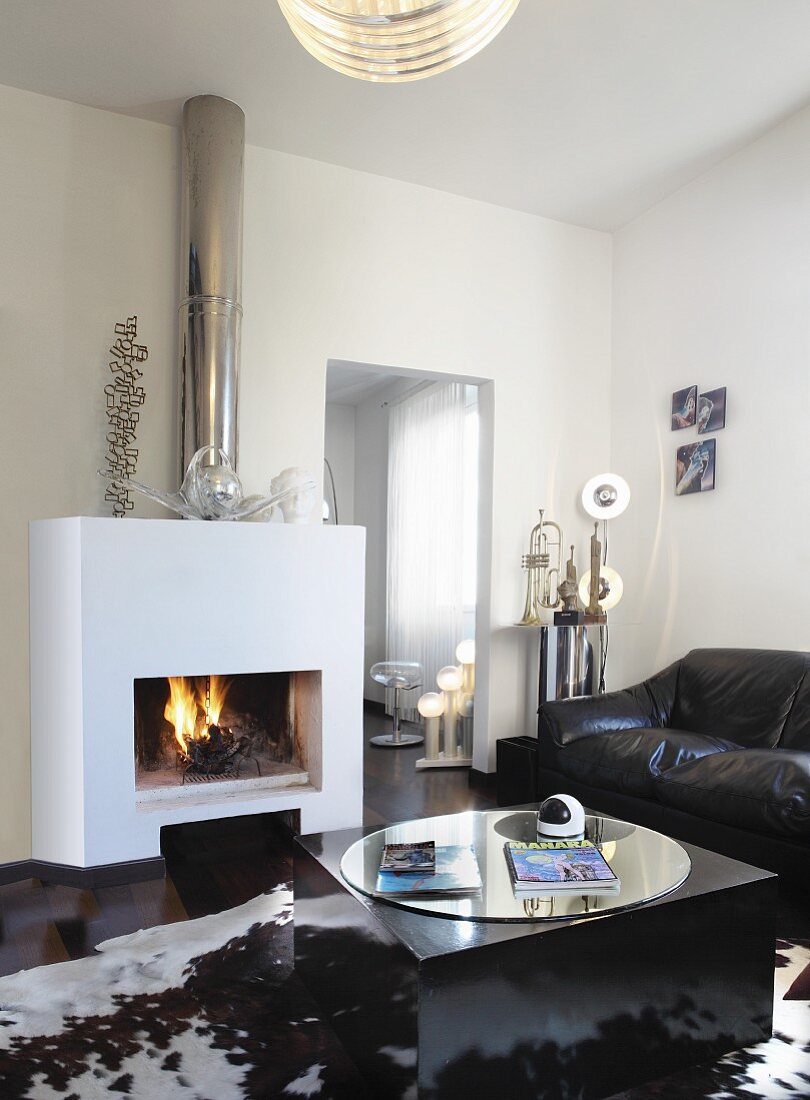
647, 705
569, 720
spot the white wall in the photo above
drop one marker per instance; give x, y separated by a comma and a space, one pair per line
339, 449
712, 287
88, 216
343, 265
337, 264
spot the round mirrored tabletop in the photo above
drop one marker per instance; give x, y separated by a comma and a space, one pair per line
648, 864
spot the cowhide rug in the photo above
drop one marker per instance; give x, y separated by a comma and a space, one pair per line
210, 1010
200, 1010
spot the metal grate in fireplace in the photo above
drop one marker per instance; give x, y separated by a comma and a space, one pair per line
204, 777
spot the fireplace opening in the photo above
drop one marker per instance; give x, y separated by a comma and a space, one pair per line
241, 731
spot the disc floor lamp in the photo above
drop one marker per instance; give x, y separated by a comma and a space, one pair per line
604, 497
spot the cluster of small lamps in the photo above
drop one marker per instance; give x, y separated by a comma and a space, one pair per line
451, 706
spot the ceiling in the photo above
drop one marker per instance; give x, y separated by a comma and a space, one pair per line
353, 383
350, 384
587, 111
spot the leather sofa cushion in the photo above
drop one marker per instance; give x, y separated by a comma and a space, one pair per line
629, 760
763, 790
744, 695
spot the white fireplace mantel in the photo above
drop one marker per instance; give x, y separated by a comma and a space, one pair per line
113, 600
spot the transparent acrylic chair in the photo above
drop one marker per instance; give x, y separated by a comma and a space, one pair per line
398, 676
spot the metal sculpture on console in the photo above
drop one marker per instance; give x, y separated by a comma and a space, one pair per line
569, 589
593, 609
215, 492
543, 577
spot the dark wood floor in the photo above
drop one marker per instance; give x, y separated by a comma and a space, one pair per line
394, 790
211, 866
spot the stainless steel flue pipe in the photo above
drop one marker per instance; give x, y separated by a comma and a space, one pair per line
213, 151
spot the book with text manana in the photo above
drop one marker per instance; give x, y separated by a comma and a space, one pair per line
558, 865
456, 874
416, 857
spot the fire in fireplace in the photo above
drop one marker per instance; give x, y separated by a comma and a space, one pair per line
250, 729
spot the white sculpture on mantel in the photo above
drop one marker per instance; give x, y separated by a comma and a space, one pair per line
295, 490
214, 492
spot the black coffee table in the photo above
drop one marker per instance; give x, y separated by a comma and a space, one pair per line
552, 997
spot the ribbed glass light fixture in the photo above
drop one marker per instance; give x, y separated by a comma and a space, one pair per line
395, 40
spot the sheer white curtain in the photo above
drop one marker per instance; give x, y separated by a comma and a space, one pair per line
425, 612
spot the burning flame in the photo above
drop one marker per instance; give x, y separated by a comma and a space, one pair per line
186, 708
181, 709
219, 689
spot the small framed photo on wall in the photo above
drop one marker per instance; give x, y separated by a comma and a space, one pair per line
695, 467
711, 415
684, 408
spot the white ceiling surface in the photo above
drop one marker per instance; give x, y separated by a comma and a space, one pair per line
347, 384
587, 111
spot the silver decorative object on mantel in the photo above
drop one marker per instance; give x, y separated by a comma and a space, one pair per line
123, 397
215, 492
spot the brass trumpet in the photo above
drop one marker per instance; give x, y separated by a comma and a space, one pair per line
543, 577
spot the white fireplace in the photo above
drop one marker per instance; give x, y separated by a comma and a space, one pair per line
117, 603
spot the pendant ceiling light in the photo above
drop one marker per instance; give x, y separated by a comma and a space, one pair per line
395, 40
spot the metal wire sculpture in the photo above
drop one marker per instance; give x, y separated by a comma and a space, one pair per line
124, 397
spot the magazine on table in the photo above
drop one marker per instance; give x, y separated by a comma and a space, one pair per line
456, 873
559, 865
417, 857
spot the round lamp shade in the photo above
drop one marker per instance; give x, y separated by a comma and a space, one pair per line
606, 496
611, 588
450, 678
431, 704
465, 651
395, 40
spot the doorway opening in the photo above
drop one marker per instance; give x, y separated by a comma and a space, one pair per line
408, 457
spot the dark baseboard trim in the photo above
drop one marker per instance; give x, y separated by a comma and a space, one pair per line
85, 878
17, 871
482, 781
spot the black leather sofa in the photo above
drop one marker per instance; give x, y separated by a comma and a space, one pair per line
714, 750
